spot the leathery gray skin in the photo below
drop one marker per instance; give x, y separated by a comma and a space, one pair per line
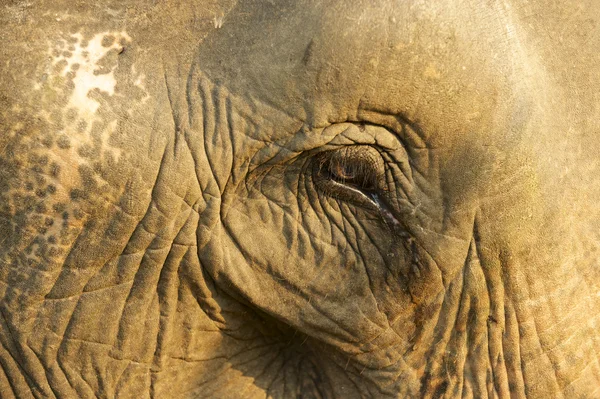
180, 212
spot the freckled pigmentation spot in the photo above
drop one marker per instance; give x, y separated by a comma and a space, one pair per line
108, 40
63, 142
76, 194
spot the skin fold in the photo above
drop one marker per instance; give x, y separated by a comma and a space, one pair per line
316, 199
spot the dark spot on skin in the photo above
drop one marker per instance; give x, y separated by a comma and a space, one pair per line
29, 202
40, 193
108, 41
76, 194
49, 222
60, 65
51, 189
78, 214
65, 215
69, 85
71, 114
47, 141
441, 390
98, 131
87, 177
52, 239
53, 252
59, 207
41, 208
86, 151
54, 169
29, 186
81, 126
122, 50
63, 142
56, 118
75, 67
67, 54
98, 167
109, 159
40, 180
36, 220
308, 52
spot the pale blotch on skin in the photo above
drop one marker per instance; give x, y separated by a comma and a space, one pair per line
84, 62
80, 70
141, 84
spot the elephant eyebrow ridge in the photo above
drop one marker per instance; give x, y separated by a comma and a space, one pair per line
410, 134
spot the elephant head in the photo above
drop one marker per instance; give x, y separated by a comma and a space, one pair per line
299, 199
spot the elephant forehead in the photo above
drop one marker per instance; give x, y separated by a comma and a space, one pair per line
454, 68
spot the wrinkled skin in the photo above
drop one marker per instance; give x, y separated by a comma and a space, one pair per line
299, 199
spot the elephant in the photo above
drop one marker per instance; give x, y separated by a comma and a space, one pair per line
309, 199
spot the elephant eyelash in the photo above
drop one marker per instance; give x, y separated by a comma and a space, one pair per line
353, 175
348, 175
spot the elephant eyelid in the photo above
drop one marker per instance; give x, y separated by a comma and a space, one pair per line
353, 178
353, 174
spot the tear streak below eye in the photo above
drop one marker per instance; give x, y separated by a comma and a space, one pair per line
388, 215
378, 202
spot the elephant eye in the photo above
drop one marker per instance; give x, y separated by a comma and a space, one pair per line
355, 172
351, 173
